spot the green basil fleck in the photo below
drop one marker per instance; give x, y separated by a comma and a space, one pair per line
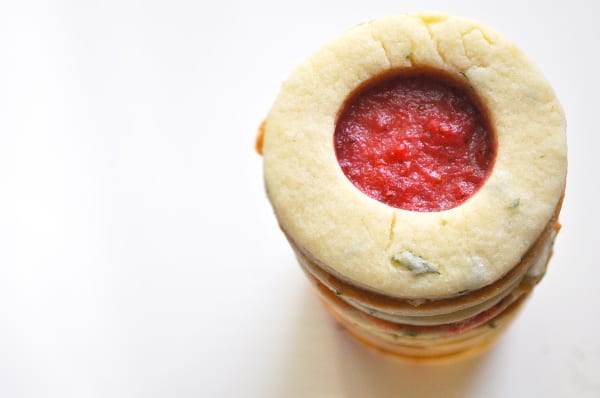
514, 203
415, 264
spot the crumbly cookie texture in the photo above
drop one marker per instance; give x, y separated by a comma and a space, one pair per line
357, 237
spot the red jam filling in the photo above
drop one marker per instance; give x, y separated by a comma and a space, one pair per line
416, 142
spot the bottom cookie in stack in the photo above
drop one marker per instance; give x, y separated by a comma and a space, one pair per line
436, 345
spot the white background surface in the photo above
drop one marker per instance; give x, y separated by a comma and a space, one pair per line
139, 256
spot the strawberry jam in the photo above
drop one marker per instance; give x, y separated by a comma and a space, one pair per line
417, 142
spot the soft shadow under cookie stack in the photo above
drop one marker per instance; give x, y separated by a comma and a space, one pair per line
433, 285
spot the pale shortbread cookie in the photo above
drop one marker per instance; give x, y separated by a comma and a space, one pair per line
355, 236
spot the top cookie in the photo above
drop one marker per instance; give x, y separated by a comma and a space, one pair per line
394, 251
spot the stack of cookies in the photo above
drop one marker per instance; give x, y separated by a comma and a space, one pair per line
417, 165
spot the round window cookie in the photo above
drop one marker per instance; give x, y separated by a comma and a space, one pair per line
408, 253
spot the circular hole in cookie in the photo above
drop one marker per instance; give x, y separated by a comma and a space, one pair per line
416, 140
